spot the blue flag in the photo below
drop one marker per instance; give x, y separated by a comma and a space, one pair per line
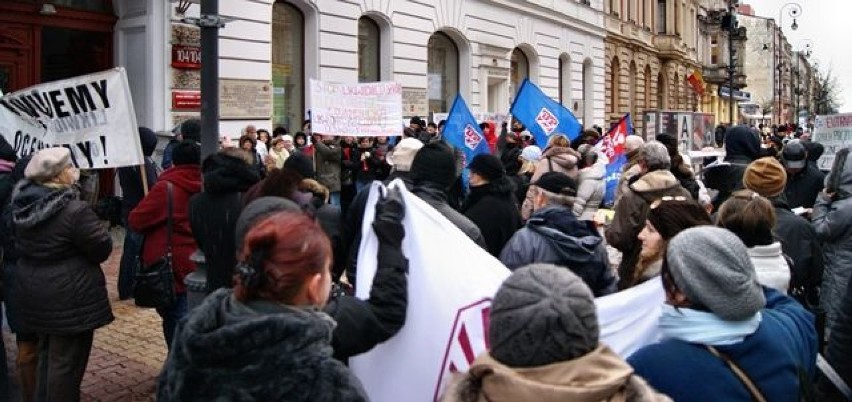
613, 147
543, 116
462, 131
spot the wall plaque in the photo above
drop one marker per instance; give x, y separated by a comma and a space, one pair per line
244, 99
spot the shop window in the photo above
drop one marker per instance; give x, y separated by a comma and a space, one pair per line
369, 61
288, 68
443, 72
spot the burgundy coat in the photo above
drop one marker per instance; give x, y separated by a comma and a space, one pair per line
149, 218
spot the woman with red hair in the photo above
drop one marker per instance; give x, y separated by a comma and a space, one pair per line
267, 339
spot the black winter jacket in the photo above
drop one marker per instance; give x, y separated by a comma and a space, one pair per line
802, 188
132, 190
493, 209
553, 235
839, 351
61, 243
799, 242
213, 215
258, 351
725, 177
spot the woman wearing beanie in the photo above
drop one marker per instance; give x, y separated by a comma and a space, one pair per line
558, 156
724, 337
752, 218
667, 217
543, 336
183, 180
62, 298
832, 219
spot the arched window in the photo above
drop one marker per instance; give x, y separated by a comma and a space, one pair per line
520, 69
565, 80
646, 101
588, 93
369, 40
288, 66
632, 90
614, 83
662, 92
443, 71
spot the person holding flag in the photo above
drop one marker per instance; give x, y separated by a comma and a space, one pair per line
543, 116
613, 148
462, 132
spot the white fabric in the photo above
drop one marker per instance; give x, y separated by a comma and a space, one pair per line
450, 285
261, 150
771, 266
705, 328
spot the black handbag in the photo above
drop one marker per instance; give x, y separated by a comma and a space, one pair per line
155, 283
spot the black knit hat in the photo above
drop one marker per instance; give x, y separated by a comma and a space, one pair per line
191, 130
301, 165
557, 183
188, 152
488, 166
148, 140
436, 164
7, 152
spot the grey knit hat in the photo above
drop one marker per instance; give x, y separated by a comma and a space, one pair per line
542, 314
711, 266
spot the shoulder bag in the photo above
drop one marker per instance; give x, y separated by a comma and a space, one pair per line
155, 283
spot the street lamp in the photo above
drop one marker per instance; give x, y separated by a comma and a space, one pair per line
794, 10
807, 52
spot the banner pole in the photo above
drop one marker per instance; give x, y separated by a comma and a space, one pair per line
143, 174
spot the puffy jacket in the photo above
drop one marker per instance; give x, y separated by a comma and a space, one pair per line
839, 351
802, 188
61, 244
557, 159
149, 219
492, 208
327, 159
771, 267
832, 221
590, 191
554, 236
631, 211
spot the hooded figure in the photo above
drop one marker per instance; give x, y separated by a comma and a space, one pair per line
491, 203
832, 219
544, 347
553, 235
741, 148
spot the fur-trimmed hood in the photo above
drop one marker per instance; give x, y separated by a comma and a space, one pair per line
658, 180
33, 203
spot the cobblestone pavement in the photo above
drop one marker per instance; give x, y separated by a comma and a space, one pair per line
127, 355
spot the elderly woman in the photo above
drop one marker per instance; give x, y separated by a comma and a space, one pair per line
725, 338
61, 244
277, 337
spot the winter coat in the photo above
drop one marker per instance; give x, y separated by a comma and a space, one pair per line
522, 185
771, 267
60, 243
802, 188
492, 208
363, 324
631, 211
557, 159
630, 169
687, 180
590, 191
149, 219
213, 215
327, 161
438, 200
839, 350
832, 221
799, 242
132, 190
375, 167
784, 343
554, 236
741, 148
597, 376
7, 182
277, 158
258, 351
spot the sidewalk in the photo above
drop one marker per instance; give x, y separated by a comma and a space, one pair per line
127, 355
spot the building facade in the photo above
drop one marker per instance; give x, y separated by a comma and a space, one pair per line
434, 49
715, 55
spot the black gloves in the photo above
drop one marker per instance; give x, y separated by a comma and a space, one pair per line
390, 209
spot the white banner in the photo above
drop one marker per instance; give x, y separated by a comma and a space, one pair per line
834, 132
360, 110
91, 115
450, 286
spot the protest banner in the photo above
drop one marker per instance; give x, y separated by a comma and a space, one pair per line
834, 132
450, 286
360, 110
91, 115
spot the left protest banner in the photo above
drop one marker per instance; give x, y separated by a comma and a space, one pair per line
91, 115
360, 110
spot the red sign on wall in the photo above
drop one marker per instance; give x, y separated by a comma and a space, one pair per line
186, 100
188, 57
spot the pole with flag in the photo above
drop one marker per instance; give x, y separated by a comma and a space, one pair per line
543, 116
613, 147
462, 132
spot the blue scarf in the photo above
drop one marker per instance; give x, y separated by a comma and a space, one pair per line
703, 328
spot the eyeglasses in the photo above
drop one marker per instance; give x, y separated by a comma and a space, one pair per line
667, 198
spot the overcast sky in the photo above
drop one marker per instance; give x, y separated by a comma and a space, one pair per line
827, 24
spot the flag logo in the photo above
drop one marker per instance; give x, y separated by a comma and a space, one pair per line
471, 137
471, 323
546, 120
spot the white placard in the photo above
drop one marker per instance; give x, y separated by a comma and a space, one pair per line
834, 132
360, 110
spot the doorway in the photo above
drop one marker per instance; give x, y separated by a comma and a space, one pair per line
67, 53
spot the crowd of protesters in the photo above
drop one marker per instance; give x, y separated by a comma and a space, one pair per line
752, 250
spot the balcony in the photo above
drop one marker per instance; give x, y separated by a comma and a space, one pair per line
670, 47
718, 74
